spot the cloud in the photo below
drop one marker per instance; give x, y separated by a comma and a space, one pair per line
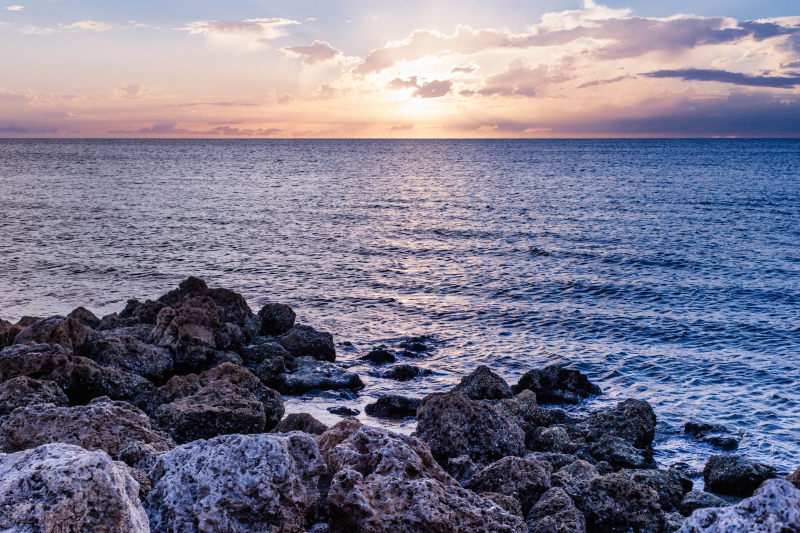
13, 129
159, 129
724, 76
133, 90
468, 69
596, 83
90, 25
246, 35
399, 83
15, 8
519, 80
434, 89
314, 53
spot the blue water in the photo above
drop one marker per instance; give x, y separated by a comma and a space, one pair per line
667, 270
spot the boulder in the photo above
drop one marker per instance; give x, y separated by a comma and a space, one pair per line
462, 468
130, 354
723, 442
306, 374
265, 351
670, 485
556, 460
40, 361
276, 319
405, 372
734, 475
530, 416
23, 391
552, 439
555, 512
794, 478
556, 384
232, 306
483, 384
305, 341
701, 429
393, 406
379, 356
524, 479
137, 312
343, 411
774, 508
614, 503
8, 332
695, 500
453, 425
509, 503
191, 323
302, 422
631, 420
67, 332
85, 317
65, 488
89, 380
236, 483
619, 453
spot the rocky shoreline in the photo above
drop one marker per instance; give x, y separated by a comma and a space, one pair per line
169, 416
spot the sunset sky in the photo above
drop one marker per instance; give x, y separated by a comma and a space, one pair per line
413, 68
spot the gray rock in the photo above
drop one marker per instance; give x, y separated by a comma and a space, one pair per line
620, 453
85, 317
695, 500
574, 477
670, 485
39, 361
556, 460
276, 319
794, 478
405, 372
60, 487
735, 475
236, 483
530, 416
305, 341
89, 380
462, 468
302, 422
23, 391
483, 384
524, 479
723, 442
614, 503
631, 420
67, 332
130, 354
393, 406
555, 512
509, 503
673, 521
552, 439
774, 508
701, 429
556, 384
308, 374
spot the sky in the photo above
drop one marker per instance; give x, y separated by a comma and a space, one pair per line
405, 68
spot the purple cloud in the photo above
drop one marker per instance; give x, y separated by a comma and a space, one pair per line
724, 76
315, 52
434, 89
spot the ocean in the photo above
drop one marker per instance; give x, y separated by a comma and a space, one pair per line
666, 270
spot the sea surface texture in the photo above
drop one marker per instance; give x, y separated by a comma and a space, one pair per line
667, 270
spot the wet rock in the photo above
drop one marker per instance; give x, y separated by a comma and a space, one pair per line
462, 468
631, 420
614, 503
794, 478
305, 341
379, 356
59, 487
85, 317
524, 410
483, 384
722, 442
524, 479
276, 319
393, 406
343, 411
453, 425
39, 361
670, 485
236, 483
101, 425
735, 475
67, 332
302, 422
552, 439
774, 508
508, 503
556, 384
89, 380
23, 391
701, 429
405, 372
8, 332
130, 354
620, 454
307, 373
415, 344
266, 350
232, 306
555, 512
695, 500
137, 312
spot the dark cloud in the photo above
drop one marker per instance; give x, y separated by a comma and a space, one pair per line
434, 89
27, 130
724, 76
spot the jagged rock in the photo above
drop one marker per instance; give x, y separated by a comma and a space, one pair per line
452, 425
462, 468
393, 406
307, 373
556, 460
509, 503
483, 384
302, 422
59, 487
67, 332
236, 483
39, 361
794, 478
232, 306
130, 354
389, 482
305, 341
101, 425
379, 356
529, 415
614, 503
620, 453
574, 477
137, 312
264, 352
556, 384
190, 323
631, 420
673, 521
89, 380
670, 485
405, 372
774, 508
695, 500
722, 442
735, 475
8, 332
85, 317
23, 391
276, 319
524, 479
701, 429
552, 439
555, 512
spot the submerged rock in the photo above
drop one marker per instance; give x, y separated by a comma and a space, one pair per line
379, 356
555, 512
483, 384
307, 373
556, 384
302, 422
343, 411
701, 429
735, 475
276, 319
393, 406
67, 332
305, 341
236, 483
60, 487
405, 372
23, 391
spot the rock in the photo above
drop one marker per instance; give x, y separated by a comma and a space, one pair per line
415, 344
556, 384
130, 354
556, 460
508, 503
265, 350
232, 306
190, 323
305, 341
307, 373
462, 468
555, 512
137, 312
695, 500
389, 482
276, 319
393, 406
102, 425
774, 508
794, 478
483, 384
39, 361
405, 372
236, 483
631, 420
453, 425
673, 521
524, 410
670, 485
379, 356
574, 477
23, 391
343, 411
722, 442
59, 487
735, 475
85, 317
614, 503
67, 332
552, 439
524, 479
8, 332
89, 380
620, 454
701, 429
302, 422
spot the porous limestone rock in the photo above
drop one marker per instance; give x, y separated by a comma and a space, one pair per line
483, 384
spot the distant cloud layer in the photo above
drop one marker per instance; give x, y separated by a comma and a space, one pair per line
723, 76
